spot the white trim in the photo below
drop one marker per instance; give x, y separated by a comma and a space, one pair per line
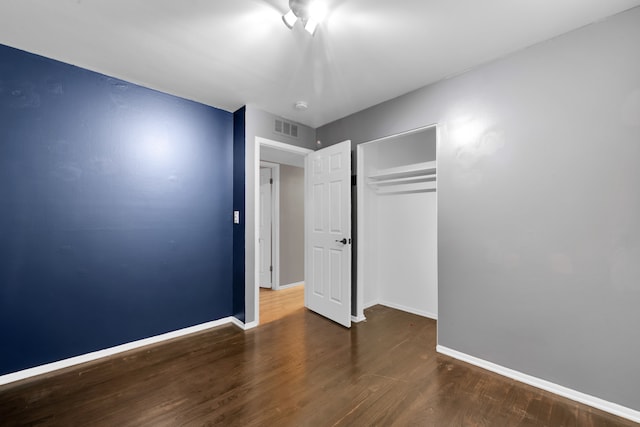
361, 236
256, 232
242, 325
237, 322
596, 402
401, 308
438, 139
370, 304
283, 146
307, 171
409, 309
88, 357
358, 319
275, 222
291, 285
250, 325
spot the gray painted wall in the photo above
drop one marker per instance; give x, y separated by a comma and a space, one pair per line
291, 224
260, 123
539, 206
407, 149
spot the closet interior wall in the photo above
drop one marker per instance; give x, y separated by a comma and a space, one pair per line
397, 222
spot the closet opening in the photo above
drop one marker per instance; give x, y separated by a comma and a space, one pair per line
397, 223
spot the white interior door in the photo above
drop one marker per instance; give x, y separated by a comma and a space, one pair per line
265, 229
328, 232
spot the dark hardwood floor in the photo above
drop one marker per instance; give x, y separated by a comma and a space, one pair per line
299, 370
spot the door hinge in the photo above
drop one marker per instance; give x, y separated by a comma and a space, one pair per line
271, 268
271, 181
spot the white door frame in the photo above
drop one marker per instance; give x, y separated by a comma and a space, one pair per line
259, 141
275, 222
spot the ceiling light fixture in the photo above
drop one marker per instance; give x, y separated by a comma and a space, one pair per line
301, 105
309, 12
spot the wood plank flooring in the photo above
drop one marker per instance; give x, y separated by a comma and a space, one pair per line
298, 370
275, 305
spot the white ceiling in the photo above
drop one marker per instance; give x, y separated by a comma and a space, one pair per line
228, 53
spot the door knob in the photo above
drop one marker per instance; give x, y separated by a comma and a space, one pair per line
343, 241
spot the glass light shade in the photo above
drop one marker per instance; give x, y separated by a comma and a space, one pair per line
289, 18
311, 26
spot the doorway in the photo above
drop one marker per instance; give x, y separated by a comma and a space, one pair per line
285, 164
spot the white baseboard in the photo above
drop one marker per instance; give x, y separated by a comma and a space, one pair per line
290, 285
596, 402
401, 308
247, 326
358, 319
371, 303
88, 357
409, 310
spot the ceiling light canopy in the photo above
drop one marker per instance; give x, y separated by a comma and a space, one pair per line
309, 12
301, 105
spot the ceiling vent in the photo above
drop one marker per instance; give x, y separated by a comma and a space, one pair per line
286, 128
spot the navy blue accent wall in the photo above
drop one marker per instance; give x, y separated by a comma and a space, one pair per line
115, 211
239, 205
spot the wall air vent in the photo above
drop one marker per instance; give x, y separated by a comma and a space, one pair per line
286, 128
